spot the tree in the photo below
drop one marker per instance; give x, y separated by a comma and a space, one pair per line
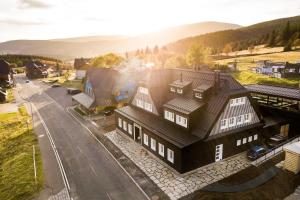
288, 46
176, 62
196, 56
286, 33
107, 60
156, 50
272, 39
227, 49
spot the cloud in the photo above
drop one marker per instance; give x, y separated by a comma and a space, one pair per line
25, 4
16, 22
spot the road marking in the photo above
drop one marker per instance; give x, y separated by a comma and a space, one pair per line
62, 170
90, 132
34, 165
40, 136
79, 149
92, 168
108, 196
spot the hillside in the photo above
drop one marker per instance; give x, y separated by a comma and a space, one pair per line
94, 45
219, 39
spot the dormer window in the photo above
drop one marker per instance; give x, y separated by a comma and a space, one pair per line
173, 89
198, 95
179, 91
144, 90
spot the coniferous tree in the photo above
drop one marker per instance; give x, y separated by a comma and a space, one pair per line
286, 33
272, 39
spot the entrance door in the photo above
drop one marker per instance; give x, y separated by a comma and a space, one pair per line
137, 133
219, 152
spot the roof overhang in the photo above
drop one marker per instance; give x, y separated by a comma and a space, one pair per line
84, 100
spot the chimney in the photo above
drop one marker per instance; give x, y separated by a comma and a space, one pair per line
217, 80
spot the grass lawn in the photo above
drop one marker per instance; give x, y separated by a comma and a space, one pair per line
247, 62
247, 77
10, 96
16, 157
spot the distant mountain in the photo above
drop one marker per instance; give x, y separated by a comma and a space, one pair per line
70, 48
221, 38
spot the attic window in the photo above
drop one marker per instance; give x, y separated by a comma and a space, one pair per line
198, 95
179, 91
173, 89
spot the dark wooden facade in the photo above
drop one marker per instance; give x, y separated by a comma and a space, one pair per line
194, 132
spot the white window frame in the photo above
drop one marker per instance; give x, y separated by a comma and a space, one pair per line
242, 120
144, 90
124, 125
170, 155
130, 129
179, 91
120, 123
222, 125
148, 106
244, 140
182, 121
161, 149
153, 144
255, 137
140, 103
250, 138
237, 101
238, 142
146, 139
247, 118
173, 89
169, 115
233, 120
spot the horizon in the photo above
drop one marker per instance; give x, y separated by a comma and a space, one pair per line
30, 18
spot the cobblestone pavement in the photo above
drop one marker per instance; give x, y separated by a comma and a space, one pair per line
62, 195
173, 184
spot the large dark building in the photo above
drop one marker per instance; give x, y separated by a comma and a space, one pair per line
6, 75
36, 69
189, 119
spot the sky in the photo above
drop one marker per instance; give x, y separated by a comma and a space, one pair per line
41, 19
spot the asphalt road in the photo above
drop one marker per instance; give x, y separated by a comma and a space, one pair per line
91, 172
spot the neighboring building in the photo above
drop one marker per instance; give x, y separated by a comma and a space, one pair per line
36, 69
6, 75
82, 63
189, 119
278, 69
280, 97
3, 95
105, 87
80, 74
292, 157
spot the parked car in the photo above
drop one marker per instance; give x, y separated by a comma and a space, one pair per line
73, 91
256, 152
55, 85
27, 81
108, 112
276, 140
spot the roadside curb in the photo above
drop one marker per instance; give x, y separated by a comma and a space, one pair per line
153, 193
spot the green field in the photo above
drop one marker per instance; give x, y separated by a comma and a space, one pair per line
17, 180
247, 77
247, 62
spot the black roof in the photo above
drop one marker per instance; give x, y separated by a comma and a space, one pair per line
103, 81
184, 105
203, 87
285, 92
180, 83
158, 82
4, 67
159, 126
